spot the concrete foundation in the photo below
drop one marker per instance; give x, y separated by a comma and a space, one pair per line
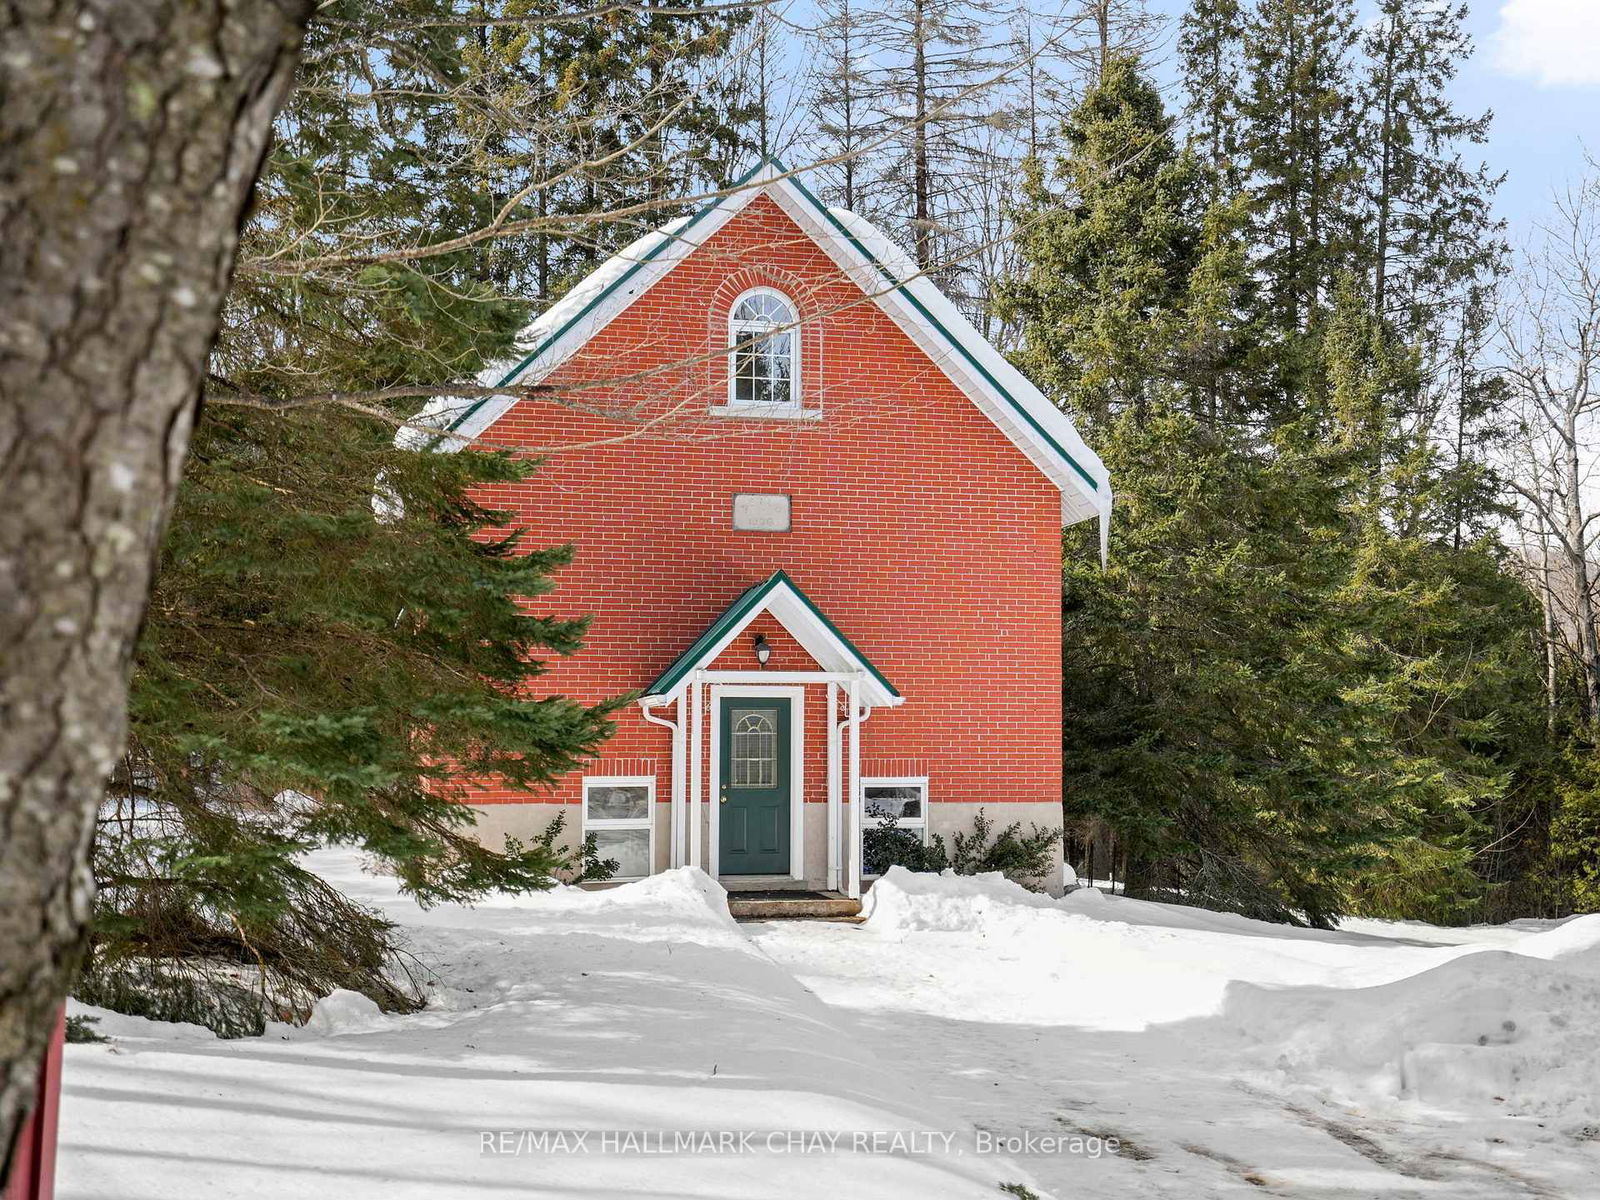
526, 822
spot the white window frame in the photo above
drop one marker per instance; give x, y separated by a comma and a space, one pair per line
917, 781
648, 821
733, 406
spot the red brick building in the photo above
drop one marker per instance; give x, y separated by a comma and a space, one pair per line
817, 522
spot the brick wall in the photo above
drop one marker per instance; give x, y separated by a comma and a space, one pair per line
917, 527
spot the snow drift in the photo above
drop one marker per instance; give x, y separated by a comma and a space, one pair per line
1490, 1031
1505, 1027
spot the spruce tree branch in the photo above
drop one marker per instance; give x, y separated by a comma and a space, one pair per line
366, 401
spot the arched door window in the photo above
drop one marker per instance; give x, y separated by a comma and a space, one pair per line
755, 751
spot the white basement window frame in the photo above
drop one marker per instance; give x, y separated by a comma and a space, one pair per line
624, 829
919, 823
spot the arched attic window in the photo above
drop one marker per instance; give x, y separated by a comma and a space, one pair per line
763, 351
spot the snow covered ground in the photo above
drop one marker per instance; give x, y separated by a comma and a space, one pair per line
968, 1036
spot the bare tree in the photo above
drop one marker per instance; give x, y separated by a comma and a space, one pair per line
130, 137
1550, 334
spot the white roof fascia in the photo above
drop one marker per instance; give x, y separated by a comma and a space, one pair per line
564, 328
1079, 500
1041, 431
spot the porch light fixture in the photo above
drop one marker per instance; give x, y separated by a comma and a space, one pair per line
763, 651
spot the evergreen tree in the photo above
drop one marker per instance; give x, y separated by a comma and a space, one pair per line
1302, 142
630, 112
1435, 247
1211, 49
1437, 637
1107, 259
341, 625
1433, 231
1202, 700
1203, 720
1294, 691
323, 657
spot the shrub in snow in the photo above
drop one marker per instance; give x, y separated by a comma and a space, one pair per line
81, 1028
586, 866
1025, 858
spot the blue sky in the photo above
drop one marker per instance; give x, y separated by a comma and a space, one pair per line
1537, 68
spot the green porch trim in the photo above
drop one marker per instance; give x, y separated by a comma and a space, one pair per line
748, 602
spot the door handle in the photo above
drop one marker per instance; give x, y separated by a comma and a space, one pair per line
724, 795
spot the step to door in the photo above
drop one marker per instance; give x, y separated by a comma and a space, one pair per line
780, 904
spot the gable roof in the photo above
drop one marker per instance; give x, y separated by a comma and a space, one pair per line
1040, 430
794, 610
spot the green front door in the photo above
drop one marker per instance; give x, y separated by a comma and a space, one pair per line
754, 796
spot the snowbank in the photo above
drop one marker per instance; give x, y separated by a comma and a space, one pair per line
125, 1028
641, 1008
341, 1012
903, 901
1490, 1032
1484, 1025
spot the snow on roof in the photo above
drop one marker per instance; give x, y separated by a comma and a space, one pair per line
946, 322
444, 412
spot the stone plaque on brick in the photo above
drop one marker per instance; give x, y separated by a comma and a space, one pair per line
759, 512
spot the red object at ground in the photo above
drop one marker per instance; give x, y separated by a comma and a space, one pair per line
33, 1177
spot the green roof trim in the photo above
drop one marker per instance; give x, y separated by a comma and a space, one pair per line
959, 346
889, 277
748, 602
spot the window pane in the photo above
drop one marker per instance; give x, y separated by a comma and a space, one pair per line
764, 307
745, 360
903, 801
754, 753
630, 802
763, 351
630, 847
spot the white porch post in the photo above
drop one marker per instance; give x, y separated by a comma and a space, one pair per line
680, 788
695, 816
834, 786
853, 886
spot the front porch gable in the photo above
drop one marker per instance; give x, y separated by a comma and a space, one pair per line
692, 690
780, 596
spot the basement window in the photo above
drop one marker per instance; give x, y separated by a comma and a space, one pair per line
904, 799
620, 812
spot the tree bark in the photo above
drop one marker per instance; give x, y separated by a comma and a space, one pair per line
131, 133
921, 172
1577, 554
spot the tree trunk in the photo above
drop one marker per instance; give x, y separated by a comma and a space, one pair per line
1386, 137
1582, 577
131, 134
1550, 631
922, 175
